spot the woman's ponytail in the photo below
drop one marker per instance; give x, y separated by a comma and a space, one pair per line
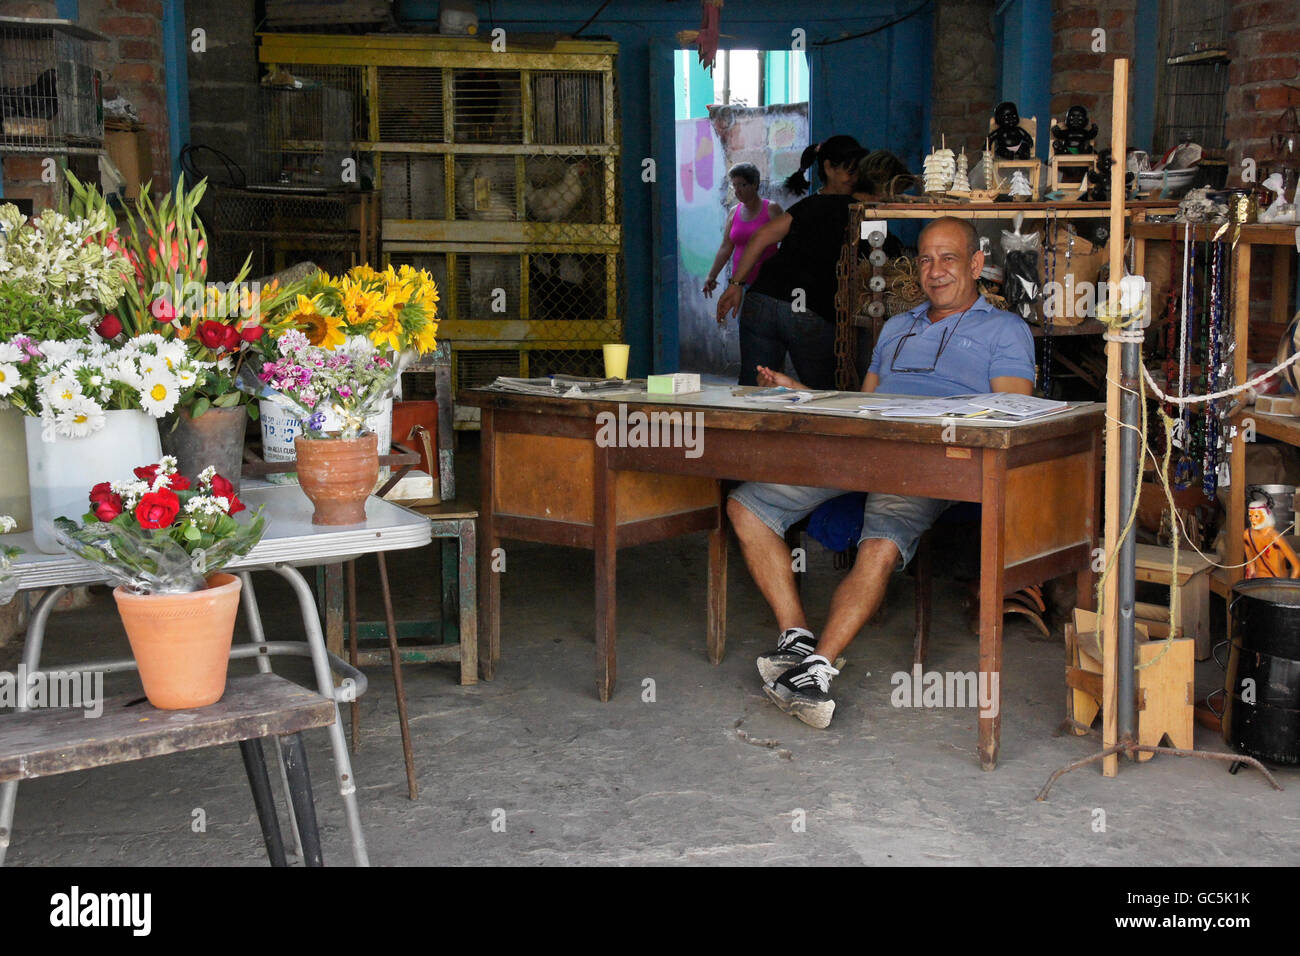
796, 182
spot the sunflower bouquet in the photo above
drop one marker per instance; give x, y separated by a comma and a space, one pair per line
396, 309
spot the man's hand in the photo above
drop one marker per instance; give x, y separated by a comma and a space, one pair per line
771, 379
709, 286
729, 302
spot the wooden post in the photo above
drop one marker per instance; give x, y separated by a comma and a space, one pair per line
1110, 596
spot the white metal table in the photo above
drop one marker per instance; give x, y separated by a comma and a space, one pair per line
290, 541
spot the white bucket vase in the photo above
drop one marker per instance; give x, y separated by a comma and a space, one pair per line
62, 472
15, 501
281, 425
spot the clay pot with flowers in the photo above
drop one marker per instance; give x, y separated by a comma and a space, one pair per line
337, 467
162, 541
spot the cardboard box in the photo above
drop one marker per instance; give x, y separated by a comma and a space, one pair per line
129, 151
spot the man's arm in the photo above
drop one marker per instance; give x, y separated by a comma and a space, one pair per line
871, 382
1006, 383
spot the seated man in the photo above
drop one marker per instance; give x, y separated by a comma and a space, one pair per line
956, 343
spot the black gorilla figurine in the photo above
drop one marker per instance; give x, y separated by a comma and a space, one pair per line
1076, 136
1099, 179
1009, 141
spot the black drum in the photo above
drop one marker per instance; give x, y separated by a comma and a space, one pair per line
1264, 664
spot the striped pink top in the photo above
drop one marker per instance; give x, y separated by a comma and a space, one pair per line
742, 230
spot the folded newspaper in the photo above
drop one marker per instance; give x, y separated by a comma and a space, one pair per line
566, 385
1006, 406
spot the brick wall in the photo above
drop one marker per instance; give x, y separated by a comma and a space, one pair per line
1264, 41
965, 73
132, 63
1080, 76
132, 66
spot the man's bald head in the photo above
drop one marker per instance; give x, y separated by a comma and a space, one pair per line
963, 226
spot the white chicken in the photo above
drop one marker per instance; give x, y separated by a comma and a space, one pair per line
483, 187
554, 202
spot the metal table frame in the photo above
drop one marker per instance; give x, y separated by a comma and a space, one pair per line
290, 541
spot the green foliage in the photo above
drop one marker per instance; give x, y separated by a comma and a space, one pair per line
23, 312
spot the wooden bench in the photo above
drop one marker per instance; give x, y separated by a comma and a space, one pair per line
46, 742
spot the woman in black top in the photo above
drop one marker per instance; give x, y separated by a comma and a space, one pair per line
791, 308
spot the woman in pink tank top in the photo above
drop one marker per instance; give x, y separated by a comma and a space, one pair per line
749, 214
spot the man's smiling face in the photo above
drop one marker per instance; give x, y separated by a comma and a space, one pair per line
948, 270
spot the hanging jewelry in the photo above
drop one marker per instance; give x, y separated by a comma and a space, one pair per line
1050, 232
1183, 470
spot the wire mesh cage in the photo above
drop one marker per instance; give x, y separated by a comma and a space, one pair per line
50, 92
410, 105
1195, 77
487, 286
435, 263
486, 188
564, 189
568, 108
487, 106
306, 137
413, 185
280, 229
568, 286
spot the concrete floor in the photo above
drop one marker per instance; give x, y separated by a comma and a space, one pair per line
709, 772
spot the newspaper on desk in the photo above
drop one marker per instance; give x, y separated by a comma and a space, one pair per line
567, 386
1004, 407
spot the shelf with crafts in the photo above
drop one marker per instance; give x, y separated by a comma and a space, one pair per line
1282, 239
907, 208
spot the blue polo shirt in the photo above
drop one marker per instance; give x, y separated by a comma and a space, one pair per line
979, 344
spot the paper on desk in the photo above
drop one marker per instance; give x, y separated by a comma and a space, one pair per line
785, 396
1021, 406
925, 408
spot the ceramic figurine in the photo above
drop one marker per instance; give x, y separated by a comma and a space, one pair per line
1099, 179
1076, 136
1267, 553
1009, 140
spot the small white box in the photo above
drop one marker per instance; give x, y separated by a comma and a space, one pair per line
678, 383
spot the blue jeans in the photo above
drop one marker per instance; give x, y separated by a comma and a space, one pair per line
901, 519
769, 329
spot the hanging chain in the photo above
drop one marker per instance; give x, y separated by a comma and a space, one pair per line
1050, 234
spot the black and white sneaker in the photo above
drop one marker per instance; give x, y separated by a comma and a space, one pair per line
794, 644
804, 691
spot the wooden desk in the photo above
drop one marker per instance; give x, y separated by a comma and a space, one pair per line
546, 479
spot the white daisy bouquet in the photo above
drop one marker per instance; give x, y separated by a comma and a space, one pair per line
70, 385
341, 386
7, 554
157, 534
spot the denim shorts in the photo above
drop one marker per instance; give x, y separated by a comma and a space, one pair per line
901, 519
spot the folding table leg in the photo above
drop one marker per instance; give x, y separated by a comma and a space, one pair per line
295, 760
467, 578
263, 800
31, 664
248, 597
325, 684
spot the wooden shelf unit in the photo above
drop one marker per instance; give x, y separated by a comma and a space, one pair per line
1279, 236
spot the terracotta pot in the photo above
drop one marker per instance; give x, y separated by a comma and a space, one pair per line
214, 438
181, 642
338, 475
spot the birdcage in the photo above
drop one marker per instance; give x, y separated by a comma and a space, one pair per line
50, 91
498, 173
335, 231
307, 129
1194, 81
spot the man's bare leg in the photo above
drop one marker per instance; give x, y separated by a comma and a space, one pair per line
768, 559
858, 595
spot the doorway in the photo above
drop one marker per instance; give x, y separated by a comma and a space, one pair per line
752, 109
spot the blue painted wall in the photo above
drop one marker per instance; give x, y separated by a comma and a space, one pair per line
1023, 33
875, 88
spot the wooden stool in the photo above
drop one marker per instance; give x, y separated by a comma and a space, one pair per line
43, 743
1155, 565
1165, 688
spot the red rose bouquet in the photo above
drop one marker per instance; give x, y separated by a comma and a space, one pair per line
157, 534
